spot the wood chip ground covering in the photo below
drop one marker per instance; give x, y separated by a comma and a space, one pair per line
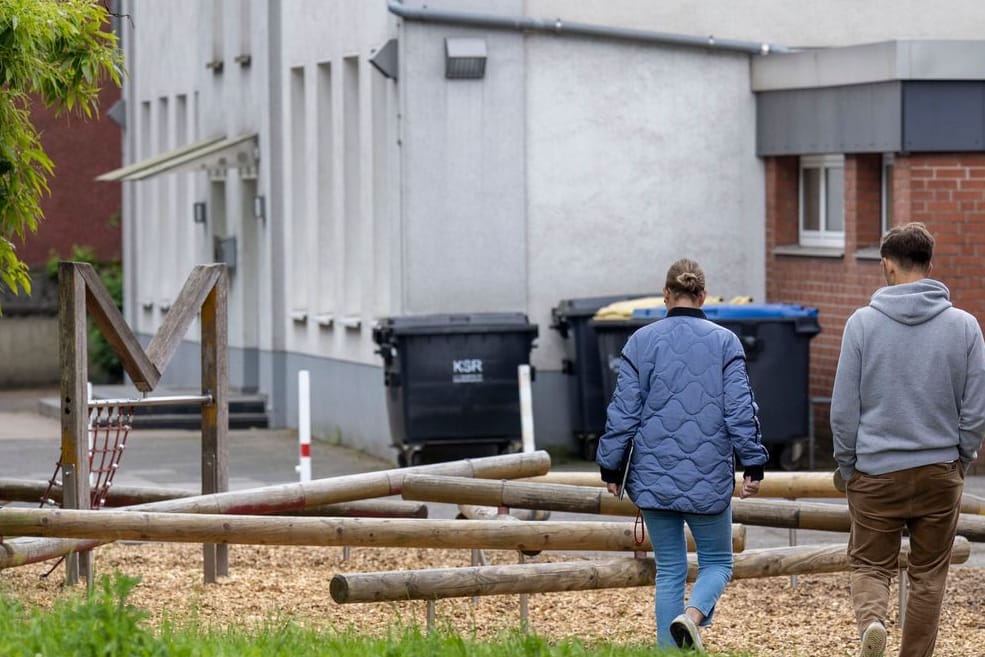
766, 617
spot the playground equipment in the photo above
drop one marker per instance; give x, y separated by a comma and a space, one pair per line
436, 583
786, 485
278, 498
230, 517
355, 532
776, 484
26, 490
81, 295
579, 499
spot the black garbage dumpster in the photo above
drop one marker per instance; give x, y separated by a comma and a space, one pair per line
776, 338
587, 398
451, 381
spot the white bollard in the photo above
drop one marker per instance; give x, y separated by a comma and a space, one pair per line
526, 408
304, 426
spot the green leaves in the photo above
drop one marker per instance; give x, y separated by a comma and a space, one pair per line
13, 272
58, 51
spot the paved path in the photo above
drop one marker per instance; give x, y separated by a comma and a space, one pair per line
29, 444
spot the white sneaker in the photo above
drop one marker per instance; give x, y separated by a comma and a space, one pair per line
685, 633
873, 640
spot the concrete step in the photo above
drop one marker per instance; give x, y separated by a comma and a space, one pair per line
246, 410
193, 421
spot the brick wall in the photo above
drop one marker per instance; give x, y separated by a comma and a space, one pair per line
79, 210
945, 191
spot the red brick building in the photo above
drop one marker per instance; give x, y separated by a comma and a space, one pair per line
855, 140
79, 211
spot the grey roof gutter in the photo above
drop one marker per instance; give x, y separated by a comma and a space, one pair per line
560, 27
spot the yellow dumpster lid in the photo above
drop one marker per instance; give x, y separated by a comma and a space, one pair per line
624, 309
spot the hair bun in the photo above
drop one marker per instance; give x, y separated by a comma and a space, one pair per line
685, 277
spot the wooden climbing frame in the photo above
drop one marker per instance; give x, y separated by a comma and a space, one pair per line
82, 295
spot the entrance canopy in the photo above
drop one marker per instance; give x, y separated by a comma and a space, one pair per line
216, 153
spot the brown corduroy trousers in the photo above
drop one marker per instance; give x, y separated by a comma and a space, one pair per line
926, 501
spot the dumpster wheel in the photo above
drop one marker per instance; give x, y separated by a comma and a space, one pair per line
410, 456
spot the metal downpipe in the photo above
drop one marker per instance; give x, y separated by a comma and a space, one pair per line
560, 27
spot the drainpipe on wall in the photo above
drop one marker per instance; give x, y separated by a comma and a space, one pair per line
560, 27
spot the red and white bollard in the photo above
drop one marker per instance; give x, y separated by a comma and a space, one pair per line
304, 426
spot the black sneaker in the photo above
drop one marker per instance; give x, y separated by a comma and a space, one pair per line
685, 633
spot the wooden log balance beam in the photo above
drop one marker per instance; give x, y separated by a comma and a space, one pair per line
288, 497
473, 512
436, 583
107, 526
32, 490
594, 500
786, 485
789, 485
29, 490
363, 509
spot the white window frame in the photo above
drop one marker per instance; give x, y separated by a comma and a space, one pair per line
822, 237
885, 209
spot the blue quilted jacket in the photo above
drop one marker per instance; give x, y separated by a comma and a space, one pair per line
683, 397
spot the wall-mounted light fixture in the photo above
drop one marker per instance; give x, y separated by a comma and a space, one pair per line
465, 58
259, 208
198, 212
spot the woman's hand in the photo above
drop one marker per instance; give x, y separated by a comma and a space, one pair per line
613, 488
749, 488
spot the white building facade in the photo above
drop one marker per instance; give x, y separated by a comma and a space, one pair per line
345, 178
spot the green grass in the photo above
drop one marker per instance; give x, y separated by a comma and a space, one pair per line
102, 623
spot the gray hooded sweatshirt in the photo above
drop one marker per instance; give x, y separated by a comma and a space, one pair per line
910, 385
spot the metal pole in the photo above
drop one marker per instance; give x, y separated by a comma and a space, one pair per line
162, 400
557, 26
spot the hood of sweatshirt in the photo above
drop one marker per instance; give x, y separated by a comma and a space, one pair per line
912, 303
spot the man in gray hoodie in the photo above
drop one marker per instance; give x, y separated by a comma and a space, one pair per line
907, 418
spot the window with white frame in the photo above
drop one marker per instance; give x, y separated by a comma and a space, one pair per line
822, 200
886, 220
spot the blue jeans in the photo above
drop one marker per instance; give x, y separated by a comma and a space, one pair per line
713, 538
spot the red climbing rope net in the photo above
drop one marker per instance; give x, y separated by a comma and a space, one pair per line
109, 426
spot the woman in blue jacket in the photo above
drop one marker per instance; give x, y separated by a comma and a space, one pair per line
684, 403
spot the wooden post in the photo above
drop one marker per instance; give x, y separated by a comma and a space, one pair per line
72, 352
438, 583
215, 416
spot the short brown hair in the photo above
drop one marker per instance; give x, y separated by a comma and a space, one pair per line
910, 245
685, 277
